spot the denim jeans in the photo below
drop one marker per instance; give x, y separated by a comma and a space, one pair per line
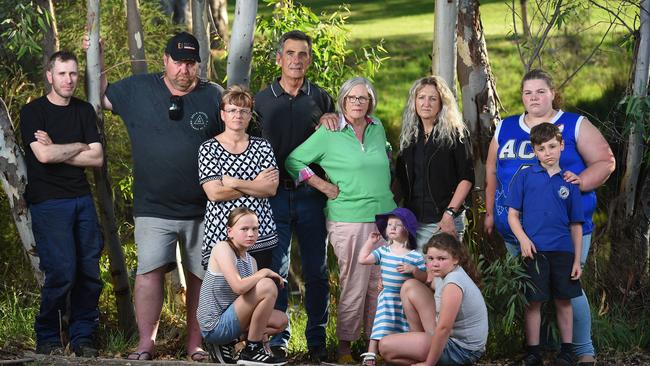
582, 343
69, 245
426, 231
302, 209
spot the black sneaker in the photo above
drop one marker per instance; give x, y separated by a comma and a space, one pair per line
222, 353
258, 356
85, 349
52, 349
563, 359
529, 360
317, 354
280, 352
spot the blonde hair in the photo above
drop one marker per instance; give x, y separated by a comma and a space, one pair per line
450, 126
234, 216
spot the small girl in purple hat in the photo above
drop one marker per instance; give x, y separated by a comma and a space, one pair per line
399, 261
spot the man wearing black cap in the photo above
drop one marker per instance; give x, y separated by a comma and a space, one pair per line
167, 115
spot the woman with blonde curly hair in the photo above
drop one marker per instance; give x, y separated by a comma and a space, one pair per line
434, 167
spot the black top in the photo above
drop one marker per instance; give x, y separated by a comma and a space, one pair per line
287, 121
165, 151
442, 167
76, 122
421, 200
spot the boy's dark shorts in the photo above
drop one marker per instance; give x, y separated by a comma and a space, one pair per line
550, 274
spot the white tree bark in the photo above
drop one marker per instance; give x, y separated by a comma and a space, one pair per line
444, 41
241, 43
478, 87
119, 274
136, 38
635, 143
14, 181
200, 31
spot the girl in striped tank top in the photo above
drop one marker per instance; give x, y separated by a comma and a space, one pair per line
236, 298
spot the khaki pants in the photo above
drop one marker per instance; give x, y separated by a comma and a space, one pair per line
358, 282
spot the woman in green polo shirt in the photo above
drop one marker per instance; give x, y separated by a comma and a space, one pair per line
356, 161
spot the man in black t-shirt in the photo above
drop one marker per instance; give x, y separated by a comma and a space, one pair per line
60, 137
168, 116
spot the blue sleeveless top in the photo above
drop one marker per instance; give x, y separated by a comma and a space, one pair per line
515, 152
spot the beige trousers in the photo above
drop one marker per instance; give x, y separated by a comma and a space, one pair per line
358, 283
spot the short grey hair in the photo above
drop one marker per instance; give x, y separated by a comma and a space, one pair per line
349, 85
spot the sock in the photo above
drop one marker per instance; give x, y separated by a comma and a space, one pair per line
534, 350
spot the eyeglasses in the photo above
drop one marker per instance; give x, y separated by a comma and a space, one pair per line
175, 108
354, 99
235, 111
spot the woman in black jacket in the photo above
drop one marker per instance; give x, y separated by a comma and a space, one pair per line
434, 167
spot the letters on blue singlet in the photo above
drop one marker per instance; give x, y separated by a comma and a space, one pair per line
515, 153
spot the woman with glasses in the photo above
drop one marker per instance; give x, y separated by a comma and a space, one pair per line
356, 161
434, 167
236, 170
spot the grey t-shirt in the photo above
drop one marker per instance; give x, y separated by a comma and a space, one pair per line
165, 151
470, 329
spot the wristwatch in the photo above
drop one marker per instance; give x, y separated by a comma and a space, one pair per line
450, 211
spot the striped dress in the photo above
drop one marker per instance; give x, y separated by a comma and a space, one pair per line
390, 317
216, 294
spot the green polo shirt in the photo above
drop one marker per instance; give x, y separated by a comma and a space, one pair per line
360, 170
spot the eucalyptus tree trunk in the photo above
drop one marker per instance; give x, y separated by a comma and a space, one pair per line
444, 41
640, 89
135, 38
14, 181
634, 205
240, 51
119, 274
629, 216
478, 87
219, 11
50, 41
200, 31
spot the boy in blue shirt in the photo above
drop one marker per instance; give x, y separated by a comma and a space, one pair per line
550, 237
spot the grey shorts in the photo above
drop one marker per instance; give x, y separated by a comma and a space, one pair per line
156, 239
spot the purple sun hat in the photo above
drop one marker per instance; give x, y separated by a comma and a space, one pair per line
405, 215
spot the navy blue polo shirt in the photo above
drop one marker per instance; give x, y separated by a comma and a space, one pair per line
548, 206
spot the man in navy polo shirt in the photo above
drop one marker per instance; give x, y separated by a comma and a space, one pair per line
288, 112
550, 239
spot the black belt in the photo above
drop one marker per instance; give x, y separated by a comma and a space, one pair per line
289, 184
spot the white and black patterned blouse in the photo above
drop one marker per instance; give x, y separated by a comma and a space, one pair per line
214, 162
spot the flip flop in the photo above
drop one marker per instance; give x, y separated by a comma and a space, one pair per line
139, 356
199, 356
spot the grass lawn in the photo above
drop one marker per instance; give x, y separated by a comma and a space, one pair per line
406, 27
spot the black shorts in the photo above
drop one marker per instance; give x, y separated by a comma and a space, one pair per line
550, 275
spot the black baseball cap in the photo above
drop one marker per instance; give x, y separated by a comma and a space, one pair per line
182, 47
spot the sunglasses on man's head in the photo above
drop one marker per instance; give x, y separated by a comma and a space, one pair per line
175, 107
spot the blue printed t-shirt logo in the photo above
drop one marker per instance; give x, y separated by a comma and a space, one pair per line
199, 120
563, 192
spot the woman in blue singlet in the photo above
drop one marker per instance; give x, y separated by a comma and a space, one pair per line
587, 157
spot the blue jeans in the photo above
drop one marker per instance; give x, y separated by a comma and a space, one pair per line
582, 343
454, 354
302, 209
227, 329
69, 245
